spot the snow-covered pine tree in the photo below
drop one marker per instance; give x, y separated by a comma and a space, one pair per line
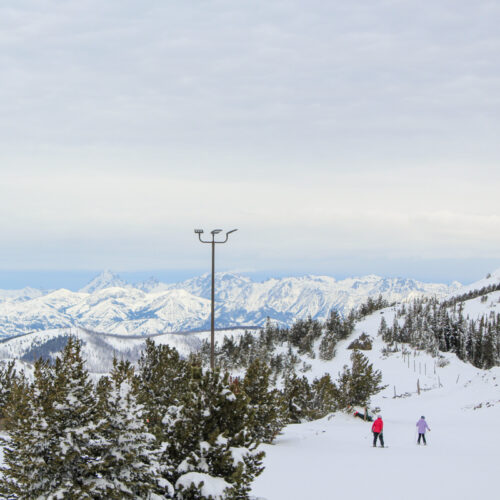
384, 332
327, 346
477, 343
21, 464
325, 396
211, 441
490, 347
8, 377
28, 451
127, 464
162, 379
70, 431
357, 384
303, 334
298, 397
267, 404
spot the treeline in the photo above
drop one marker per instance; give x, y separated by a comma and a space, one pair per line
370, 306
354, 387
167, 428
433, 326
472, 294
282, 349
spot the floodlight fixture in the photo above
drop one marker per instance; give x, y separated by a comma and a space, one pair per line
216, 231
198, 231
232, 231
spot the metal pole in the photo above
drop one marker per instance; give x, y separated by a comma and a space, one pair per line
212, 318
199, 232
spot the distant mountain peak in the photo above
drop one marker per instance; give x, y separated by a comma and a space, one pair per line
106, 279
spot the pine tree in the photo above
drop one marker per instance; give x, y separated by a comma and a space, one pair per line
298, 398
385, 332
128, 465
28, 455
324, 396
23, 451
489, 348
327, 345
162, 379
209, 434
357, 384
70, 431
8, 377
268, 405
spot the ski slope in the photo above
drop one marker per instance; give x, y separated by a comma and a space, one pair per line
334, 458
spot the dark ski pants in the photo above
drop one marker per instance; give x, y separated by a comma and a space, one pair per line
421, 436
380, 436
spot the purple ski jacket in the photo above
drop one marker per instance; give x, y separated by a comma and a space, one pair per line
422, 426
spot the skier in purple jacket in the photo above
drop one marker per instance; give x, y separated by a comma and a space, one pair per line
422, 427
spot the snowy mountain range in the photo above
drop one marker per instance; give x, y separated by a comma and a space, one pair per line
110, 305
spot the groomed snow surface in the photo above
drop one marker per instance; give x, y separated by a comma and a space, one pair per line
334, 458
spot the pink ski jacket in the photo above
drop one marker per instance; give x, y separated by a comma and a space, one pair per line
378, 425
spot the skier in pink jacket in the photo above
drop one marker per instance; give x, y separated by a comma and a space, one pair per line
422, 427
377, 429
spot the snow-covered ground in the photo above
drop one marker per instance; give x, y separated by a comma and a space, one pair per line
334, 458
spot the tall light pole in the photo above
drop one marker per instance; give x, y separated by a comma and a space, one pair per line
199, 232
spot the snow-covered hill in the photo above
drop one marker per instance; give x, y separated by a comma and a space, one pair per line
108, 304
334, 457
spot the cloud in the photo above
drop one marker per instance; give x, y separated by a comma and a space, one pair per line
365, 128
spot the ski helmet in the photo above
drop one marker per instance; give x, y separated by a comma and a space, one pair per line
422, 417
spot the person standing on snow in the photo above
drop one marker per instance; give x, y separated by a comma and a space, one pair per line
422, 427
377, 429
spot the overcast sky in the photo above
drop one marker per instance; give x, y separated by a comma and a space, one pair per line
341, 138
